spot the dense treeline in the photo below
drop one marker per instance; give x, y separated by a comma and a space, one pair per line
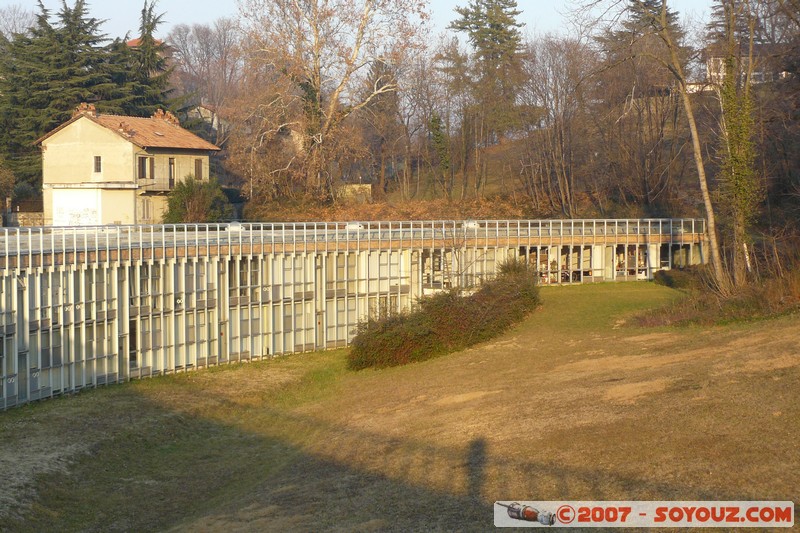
569, 126
632, 118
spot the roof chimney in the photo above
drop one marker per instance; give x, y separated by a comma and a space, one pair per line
85, 109
126, 129
166, 116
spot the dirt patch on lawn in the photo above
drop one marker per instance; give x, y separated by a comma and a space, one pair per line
22, 465
465, 397
630, 392
775, 363
654, 339
616, 363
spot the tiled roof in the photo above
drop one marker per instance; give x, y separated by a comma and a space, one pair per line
162, 130
133, 43
153, 132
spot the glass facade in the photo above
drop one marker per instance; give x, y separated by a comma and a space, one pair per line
82, 307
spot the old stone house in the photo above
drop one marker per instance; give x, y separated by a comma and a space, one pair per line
109, 169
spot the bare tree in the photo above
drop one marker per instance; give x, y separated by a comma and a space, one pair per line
263, 145
779, 110
210, 68
325, 49
418, 92
381, 126
657, 15
740, 186
15, 19
460, 110
555, 70
643, 140
791, 10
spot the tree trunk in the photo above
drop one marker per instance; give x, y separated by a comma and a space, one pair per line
716, 258
677, 71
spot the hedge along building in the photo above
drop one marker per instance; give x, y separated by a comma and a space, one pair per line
81, 307
110, 169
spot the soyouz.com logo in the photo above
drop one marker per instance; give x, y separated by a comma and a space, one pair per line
643, 514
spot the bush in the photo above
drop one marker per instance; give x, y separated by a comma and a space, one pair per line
446, 322
689, 278
194, 200
756, 300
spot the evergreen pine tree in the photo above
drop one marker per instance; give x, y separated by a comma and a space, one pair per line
644, 15
494, 33
441, 146
636, 53
638, 31
25, 84
734, 16
150, 72
53, 68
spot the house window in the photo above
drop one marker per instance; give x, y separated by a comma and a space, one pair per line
171, 172
198, 169
98, 164
146, 211
146, 168
142, 173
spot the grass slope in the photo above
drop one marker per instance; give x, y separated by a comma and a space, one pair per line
568, 405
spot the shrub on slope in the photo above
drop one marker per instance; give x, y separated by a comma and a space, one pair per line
447, 322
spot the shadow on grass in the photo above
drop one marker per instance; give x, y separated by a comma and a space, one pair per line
255, 468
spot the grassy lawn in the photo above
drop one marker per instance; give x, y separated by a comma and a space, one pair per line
572, 404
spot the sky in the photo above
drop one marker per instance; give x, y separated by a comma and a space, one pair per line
539, 16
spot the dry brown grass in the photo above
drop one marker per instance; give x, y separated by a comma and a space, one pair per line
497, 207
756, 300
565, 407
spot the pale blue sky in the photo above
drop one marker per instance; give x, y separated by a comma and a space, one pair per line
123, 15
